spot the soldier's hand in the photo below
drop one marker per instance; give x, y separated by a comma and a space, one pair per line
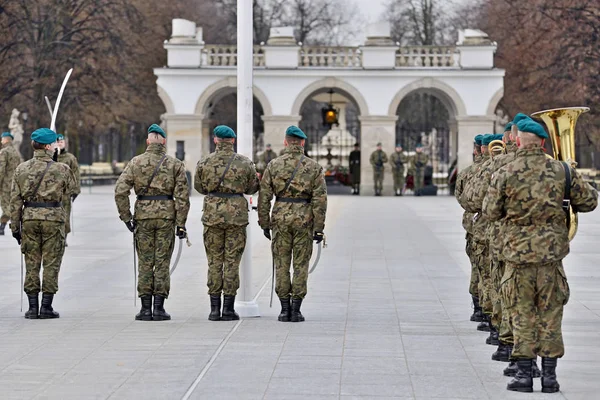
318, 237
17, 236
73, 197
181, 232
130, 225
267, 233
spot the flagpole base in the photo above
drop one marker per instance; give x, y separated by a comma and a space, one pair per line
247, 309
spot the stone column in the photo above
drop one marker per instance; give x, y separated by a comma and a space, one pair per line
374, 129
275, 126
453, 132
468, 128
186, 128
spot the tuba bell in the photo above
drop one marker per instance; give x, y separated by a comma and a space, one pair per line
497, 147
561, 126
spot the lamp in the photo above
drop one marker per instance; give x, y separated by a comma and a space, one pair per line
330, 114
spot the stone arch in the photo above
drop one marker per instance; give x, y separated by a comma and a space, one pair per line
491, 110
226, 86
335, 83
164, 96
443, 91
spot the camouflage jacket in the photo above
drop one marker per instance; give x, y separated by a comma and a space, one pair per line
419, 161
241, 178
473, 194
264, 159
170, 180
309, 183
528, 193
69, 159
57, 182
462, 181
378, 159
9, 160
398, 161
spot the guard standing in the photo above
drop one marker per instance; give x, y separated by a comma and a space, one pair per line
265, 158
224, 177
69, 159
161, 210
9, 160
378, 161
354, 169
419, 161
298, 218
398, 160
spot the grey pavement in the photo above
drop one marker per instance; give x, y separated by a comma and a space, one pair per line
386, 317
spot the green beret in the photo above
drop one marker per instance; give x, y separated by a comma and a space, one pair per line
508, 126
268, 144
60, 136
158, 130
478, 139
7, 134
499, 136
530, 126
378, 144
224, 132
487, 139
295, 131
520, 117
419, 145
44, 136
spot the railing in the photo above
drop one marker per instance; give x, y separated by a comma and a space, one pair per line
426, 56
324, 56
215, 55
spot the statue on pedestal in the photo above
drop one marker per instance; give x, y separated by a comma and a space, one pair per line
16, 129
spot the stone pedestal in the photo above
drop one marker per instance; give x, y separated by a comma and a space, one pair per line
375, 129
275, 126
186, 128
468, 128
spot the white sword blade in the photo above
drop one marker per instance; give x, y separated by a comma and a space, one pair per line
58, 99
49, 107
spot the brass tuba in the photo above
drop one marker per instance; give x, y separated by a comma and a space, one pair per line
497, 147
561, 126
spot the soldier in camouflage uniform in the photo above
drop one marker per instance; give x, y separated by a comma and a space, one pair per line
528, 193
9, 160
69, 159
398, 160
265, 158
38, 220
378, 160
224, 177
298, 218
419, 162
161, 211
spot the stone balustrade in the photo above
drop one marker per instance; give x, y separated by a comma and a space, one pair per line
427, 56
330, 57
216, 55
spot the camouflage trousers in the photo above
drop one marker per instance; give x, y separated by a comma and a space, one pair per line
378, 180
67, 206
155, 239
534, 296
398, 179
4, 203
419, 178
43, 243
224, 246
482, 260
291, 244
474, 281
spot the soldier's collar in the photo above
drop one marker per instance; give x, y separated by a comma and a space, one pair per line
156, 148
294, 148
225, 146
41, 154
531, 150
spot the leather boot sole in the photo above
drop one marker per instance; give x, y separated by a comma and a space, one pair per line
36, 316
47, 316
550, 390
297, 319
476, 318
230, 318
483, 329
160, 318
144, 318
521, 390
283, 319
214, 318
501, 358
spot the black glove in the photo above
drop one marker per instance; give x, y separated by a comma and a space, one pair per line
318, 237
130, 225
17, 236
181, 232
267, 233
73, 197
55, 155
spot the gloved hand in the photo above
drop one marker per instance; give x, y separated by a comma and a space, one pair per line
17, 236
181, 232
55, 155
73, 197
318, 237
130, 225
267, 233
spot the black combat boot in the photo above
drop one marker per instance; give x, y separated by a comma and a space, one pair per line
145, 313
503, 353
34, 307
535, 371
229, 313
511, 370
2, 227
484, 325
46, 311
286, 311
477, 315
296, 314
492, 339
549, 383
159, 313
215, 308
522, 382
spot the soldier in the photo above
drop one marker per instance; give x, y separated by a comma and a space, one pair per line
69, 159
38, 220
378, 161
298, 184
265, 158
528, 193
224, 177
354, 161
10, 158
398, 160
419, 162
161, 212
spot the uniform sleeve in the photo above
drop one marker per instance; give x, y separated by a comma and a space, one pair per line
372, 159
76, 175
16, 204
384, 157
122, 191
198, 178
181, 193
253, 182
584, 198
458, 189
493, 203
3, 164
319, 201
392, 162
71, 183
264, 200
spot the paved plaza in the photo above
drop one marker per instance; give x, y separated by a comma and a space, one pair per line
386, 317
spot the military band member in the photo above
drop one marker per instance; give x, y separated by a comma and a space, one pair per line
378, 160
224, 177
161, 212
69, 159
10, 158
298, 218
38, 220
419, 161
398, 161
354, 161
528, 193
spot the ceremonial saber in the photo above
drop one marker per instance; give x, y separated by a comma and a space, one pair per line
22, 289
59, 98
49, 107
179, 254
134, 272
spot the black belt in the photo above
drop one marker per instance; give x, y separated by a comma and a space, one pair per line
225, 195
165, 197
31, 204
292, 200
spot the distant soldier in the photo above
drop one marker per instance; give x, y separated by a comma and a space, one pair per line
378, 160
161, 212
10, 158
298, 218
528, 193
265, 158
38, 220
419, 162
354, 161
69, 159
398, 160
224, 177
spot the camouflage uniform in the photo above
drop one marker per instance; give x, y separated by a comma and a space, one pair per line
9, 160
69, 159
225, 214
528, 194
42, 218
398, 162
293, 224
264, 159
155, 219
419, 162
378, 160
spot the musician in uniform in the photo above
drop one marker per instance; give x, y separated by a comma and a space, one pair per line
398, 160
67, 158
378, 160
354, 161
10, 158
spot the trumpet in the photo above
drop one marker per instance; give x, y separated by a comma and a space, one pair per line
497, 147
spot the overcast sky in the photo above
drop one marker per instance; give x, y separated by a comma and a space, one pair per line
371, 9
